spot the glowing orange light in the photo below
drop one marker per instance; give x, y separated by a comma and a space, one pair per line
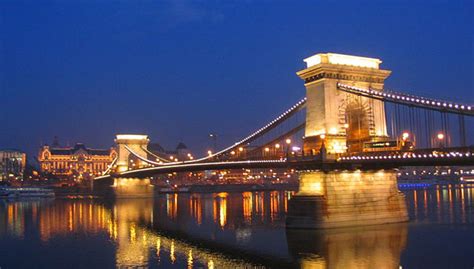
405, 135
440, 136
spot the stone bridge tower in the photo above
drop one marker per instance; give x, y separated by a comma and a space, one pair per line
137, 143
342, 120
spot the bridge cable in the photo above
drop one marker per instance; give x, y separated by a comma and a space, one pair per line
156, 156
109, 167
265, 129
406, 99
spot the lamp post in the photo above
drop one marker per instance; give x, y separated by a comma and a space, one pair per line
440, 137
241, 149
266, 151
213, 138
288, 142
322, 151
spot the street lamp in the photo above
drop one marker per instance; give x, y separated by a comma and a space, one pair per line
440, 137
405, 136
288, 142
214, 140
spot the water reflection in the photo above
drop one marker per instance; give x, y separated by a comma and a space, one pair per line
452, 203
216, 230
369, 247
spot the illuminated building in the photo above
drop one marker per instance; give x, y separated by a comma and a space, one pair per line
12, 164
78, 161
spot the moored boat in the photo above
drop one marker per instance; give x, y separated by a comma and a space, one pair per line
9, 192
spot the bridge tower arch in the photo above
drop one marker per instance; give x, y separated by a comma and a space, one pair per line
137, 143
343, 121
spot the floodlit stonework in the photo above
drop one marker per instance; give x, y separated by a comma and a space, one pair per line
347, 198
345, 121
137, 143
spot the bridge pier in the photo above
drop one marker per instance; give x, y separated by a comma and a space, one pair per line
347, 198
132, 188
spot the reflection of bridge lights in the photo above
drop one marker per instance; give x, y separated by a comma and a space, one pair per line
133, 232
190, 258
158, 247
172, 256
210, 264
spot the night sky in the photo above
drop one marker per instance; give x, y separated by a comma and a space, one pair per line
178, 70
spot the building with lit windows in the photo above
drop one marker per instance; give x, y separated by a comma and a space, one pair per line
78, 162
12, 164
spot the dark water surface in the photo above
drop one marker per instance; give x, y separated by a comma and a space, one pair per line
230, 230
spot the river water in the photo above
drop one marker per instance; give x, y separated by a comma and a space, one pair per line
230, 230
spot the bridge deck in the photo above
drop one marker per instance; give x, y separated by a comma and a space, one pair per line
364, 161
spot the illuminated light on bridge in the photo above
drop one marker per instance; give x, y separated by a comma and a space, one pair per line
390, 96
350, 118
408, 155
131, 137
295, 108
341, 59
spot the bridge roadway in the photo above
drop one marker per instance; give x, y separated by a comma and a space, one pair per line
463, 156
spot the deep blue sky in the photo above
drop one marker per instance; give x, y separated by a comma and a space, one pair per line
177, 70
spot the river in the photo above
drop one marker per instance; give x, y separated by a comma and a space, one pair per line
230, 230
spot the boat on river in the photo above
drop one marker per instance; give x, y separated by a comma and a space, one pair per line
28, 192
